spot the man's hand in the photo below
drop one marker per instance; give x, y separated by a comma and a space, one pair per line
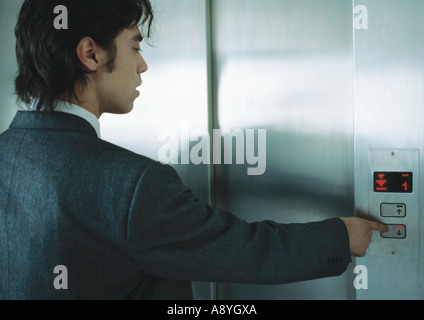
360, 232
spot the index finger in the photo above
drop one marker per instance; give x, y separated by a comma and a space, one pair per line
378, 226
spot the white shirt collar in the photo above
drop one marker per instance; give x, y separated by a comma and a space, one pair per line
70, 108
76, 110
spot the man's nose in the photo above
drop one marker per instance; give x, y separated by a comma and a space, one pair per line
142, 66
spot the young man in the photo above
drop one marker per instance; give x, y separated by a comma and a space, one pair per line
81, 218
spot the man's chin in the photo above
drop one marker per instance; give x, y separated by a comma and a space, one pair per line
120, 110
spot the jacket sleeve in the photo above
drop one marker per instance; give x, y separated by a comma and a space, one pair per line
174, 235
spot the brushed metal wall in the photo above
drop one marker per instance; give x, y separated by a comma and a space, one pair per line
389, 113
8, 15
173, 105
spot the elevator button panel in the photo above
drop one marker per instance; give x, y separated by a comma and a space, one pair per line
393, 210
396, 231
393, 199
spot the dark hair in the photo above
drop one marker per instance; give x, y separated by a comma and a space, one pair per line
47, 60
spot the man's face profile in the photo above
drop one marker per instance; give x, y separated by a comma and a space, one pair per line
114, 89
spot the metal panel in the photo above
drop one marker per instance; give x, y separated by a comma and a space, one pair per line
389, 116
287, 66
9, 11
395, 161
173, 102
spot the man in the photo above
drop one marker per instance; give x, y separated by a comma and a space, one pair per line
119, 225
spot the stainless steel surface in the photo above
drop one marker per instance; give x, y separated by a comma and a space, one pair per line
391, 160
174, 96
389, 115
8, 13
287, 66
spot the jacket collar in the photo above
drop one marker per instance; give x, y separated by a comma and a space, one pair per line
58, 121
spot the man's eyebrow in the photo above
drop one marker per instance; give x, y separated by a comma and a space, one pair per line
137, 38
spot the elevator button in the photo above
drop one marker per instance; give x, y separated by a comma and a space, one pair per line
393, 210
395, 232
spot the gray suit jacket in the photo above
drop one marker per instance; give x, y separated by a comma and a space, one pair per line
125, 227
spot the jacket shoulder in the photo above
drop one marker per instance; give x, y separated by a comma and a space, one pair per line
109, 154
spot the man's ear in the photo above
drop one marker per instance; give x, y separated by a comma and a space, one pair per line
90, 55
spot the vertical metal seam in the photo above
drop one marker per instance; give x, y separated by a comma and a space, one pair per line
354, 118
212, 109
211, 93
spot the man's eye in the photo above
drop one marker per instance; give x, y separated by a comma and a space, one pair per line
138, 50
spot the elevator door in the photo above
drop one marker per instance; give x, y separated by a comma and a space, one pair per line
287, 67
